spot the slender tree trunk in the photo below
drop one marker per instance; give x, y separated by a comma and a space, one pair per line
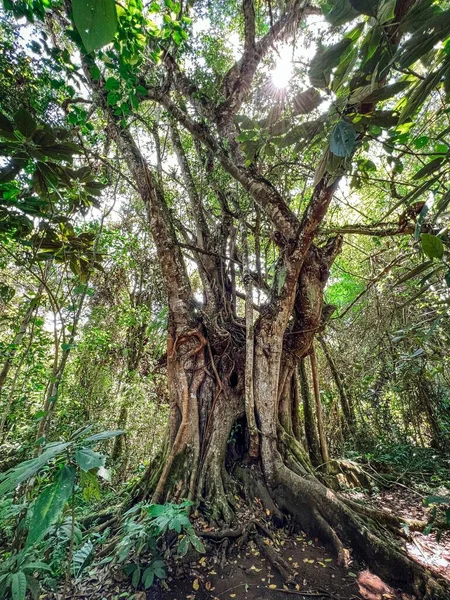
59, 366
7, 408
319, 412
346, 403
249, 353
17, 341
311, 433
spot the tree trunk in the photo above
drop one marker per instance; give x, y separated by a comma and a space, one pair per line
346, 403
319, 413
312, 436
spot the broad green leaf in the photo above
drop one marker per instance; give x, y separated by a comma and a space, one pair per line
437, 500
25, 123
386, 10
421, 92
183, 546
307, 101
383, 93
324, 62
104, 435
343, 139
148, 577
197, 543
33, 586
112, 98
424, 39
365, 7
50, 504
112, 84
338, 12
96, 22
36, 566
430, 167
87, 459
136, 577
155, 510
244, 121
28, 468
158, 568
432, 246
18, 586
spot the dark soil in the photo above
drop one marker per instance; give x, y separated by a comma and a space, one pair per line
229, 571
249, 576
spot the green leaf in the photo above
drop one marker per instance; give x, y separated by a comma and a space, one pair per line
183, 546
421, 92
365, 7
343, 139
155, 510
437, 500
338, 12
104, 435
6, 127
427, 35
96, 22
25, 123
148, 577
50, 504
18, 586
432, 246
430, 167
112, 98
383, 93
386, 11
34, 587
36, 566
197, 543
28, 468
112, 84
307, 101
87, 459
324, 62
136, 577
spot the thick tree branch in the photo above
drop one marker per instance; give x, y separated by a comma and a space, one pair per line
238, 80
261, 190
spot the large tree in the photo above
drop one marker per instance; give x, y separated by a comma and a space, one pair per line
258, 171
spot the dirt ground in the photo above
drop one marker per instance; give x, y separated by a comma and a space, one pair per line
245, 573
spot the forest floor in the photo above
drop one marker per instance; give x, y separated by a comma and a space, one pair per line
244, 573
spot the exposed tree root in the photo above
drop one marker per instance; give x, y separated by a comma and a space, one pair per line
319, 511
275, 559
349, 474
254, 487
382, 517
